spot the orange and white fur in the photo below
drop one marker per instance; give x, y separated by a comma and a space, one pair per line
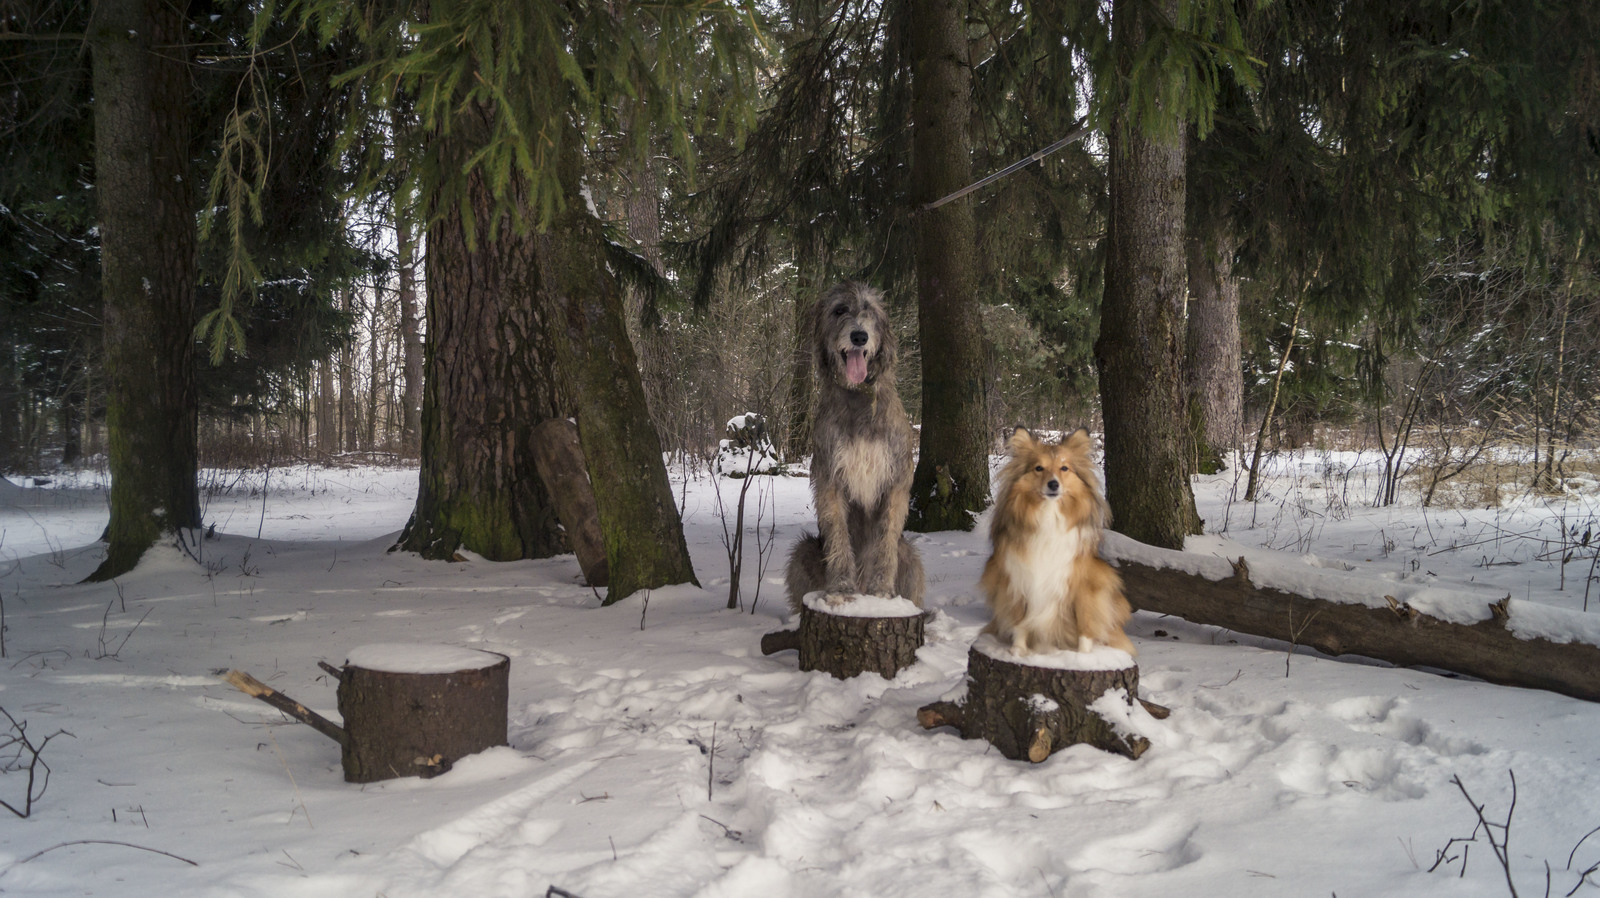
1046, 584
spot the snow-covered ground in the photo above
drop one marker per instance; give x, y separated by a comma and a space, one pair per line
655, 752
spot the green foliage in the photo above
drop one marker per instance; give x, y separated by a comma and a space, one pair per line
523, 69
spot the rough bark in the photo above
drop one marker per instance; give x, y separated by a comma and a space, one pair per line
410, 341
1139, 353
559, 458
419, 724
490, 378
1029, 713
1213, 375
638, 518
952, 473
802, 384
850, 646
347, 381
142, 102
1394, 632
327, 428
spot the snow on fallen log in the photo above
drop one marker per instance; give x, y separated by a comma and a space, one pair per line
1505, 640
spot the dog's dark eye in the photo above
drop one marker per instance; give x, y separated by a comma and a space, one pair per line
840, 310
1038, 467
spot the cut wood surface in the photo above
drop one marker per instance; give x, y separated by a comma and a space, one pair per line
1393, 631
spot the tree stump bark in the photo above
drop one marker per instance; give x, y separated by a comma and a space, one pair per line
1030, 708
414, 710
868, 633
559, 457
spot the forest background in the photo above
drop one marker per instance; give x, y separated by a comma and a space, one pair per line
254, 233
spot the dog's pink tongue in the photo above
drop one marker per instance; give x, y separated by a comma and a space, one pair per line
855, 366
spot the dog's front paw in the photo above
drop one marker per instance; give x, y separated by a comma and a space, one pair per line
1085, 644
835, 599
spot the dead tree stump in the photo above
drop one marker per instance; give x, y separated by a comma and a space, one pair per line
1031, 707
413, 710
868, 633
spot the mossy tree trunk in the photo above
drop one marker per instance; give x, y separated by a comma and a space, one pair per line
1212, 372
490, 377
638, 519
952, 474
142, 98
1139, 353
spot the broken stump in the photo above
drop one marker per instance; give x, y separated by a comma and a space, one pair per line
867, 633
558, 458
409, 710
1031, 706
414, 710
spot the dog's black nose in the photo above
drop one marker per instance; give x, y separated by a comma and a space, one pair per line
1053, 485
858, 338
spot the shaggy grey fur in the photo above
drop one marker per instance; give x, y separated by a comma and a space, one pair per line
861, 458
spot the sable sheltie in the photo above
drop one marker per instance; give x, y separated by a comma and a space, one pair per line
1045, 582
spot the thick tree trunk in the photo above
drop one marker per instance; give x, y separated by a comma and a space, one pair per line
11, 439
327, 426
491, 377
1212, 371
1139, 352
142, 99
410, 340
952, 474
802, 388
638, 518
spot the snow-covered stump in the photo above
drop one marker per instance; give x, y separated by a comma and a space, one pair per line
414, 710
867, 633
1030, 707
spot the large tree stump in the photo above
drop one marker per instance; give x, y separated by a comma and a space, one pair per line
413, 710
868, 633
1030, 707
559, 458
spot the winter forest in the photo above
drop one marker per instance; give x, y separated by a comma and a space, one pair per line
289, 288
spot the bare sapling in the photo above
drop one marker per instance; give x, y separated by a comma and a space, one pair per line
747, 434
19, 753
1277, 384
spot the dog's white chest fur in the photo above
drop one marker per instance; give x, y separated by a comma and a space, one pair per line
865, 468
1041, 570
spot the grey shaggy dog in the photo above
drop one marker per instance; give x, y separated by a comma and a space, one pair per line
861, 459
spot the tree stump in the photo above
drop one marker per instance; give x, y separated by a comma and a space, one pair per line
1030, 707
868, 633
413, 710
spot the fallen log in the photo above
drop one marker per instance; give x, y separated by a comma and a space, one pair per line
1499, 647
